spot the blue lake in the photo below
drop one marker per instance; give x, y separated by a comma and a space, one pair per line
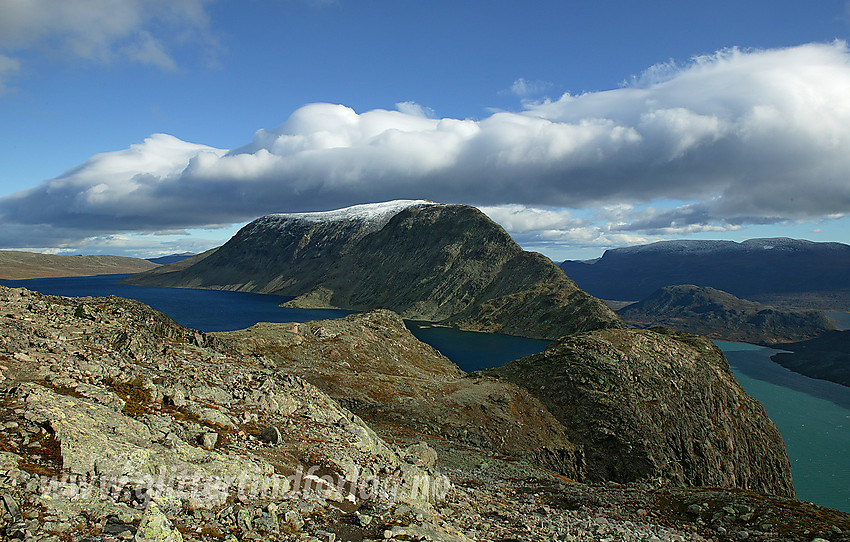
812, 415
218, 310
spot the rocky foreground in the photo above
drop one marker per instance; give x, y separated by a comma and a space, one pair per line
118, 424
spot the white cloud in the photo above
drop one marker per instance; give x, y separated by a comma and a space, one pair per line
521, 219
739, 137
524, 88
135, 30
415, 109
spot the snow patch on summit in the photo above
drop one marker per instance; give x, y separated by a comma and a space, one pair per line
364, 218
368, 211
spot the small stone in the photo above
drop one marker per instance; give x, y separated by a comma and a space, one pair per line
243, 520
695, 509
743, 535
836, 529
364, 520
388, 534
209, 439
11, 506
421, 455
271, 435
294, 519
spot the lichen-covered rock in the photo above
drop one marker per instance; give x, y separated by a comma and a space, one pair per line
657, 404
155, 527
97, 441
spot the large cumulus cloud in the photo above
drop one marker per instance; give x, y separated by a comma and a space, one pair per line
733, 138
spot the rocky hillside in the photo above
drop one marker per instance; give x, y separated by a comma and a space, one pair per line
372, 364
779, 271
28, 265
656, 404
118, 424
720, 315
440, 263
628, 405
116, 419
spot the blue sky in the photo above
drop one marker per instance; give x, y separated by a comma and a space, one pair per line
578, 126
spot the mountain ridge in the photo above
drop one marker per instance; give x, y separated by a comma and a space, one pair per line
441, 263
778, 271
19, 265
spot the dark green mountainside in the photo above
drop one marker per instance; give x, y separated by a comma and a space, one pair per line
721, 315
447, 264
827, 357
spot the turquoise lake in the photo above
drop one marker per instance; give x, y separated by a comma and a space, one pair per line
812, 415
840, 319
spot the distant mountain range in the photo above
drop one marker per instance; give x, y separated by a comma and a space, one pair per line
447, 264
720, 315
171, 258
15, 265
778, 271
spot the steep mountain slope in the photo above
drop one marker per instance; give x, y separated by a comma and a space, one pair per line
440, 263
646, 404
776, 271
720, 315
16, 265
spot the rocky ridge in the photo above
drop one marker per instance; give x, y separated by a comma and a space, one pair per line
118, 424
374, 366
656, 403
720, 315
448, 264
